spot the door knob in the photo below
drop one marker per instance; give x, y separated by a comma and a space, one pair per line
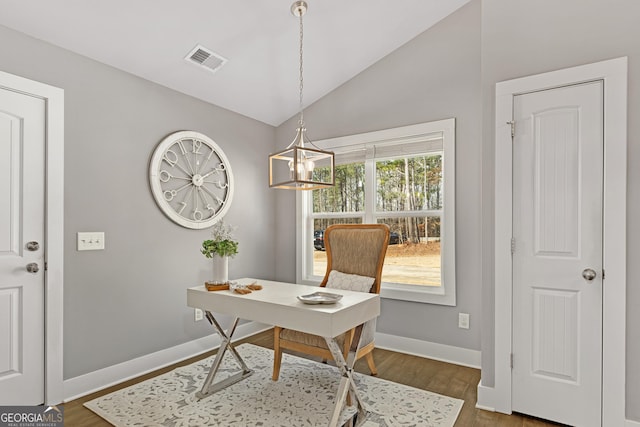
32, 267
33, 246
589, 274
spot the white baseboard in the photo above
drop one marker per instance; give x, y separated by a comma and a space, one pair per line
430, 350
486, 398
106, 377
112, 375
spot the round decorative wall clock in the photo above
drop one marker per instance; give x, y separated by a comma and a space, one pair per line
191, 179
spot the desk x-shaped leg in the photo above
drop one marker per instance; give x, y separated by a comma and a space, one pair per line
347, 383
208, 388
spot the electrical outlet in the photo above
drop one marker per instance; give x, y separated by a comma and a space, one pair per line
198, 315
463, 320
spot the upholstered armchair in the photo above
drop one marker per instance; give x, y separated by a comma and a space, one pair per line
355, 255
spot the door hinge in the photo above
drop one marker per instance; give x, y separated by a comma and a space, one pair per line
513, 245
511, 360
603, 274
46, 266
513, 128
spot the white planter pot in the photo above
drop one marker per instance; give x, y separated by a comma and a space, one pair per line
220, 270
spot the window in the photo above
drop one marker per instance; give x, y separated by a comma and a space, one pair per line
402, 177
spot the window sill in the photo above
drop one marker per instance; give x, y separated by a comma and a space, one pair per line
421, 295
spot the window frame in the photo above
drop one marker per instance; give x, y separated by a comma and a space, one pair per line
442, 295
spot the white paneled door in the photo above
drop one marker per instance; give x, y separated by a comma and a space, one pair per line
557, 254
22, 193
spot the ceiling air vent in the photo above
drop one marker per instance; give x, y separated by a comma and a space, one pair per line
205, 58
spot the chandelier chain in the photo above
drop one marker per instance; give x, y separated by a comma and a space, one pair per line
301, 121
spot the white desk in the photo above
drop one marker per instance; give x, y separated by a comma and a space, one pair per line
277, 304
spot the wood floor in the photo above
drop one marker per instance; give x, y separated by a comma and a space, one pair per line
439, 377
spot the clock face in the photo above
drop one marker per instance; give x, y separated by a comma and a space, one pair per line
191, 179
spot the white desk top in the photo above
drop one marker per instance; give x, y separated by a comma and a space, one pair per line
277, 304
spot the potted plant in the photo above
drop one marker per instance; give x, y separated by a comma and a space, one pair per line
219, 248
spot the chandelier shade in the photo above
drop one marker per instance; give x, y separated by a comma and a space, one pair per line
299, 167
302, 165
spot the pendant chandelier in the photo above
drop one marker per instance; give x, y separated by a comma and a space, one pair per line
302, 165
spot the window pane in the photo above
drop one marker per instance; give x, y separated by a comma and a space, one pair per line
319, 255
410, 171
413, 256
348, 193
422, 190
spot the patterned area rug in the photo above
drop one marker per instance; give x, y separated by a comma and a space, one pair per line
303, 396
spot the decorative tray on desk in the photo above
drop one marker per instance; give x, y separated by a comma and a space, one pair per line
320, 298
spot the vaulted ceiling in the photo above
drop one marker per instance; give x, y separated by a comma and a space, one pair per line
259, 39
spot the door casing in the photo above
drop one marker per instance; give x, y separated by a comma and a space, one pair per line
54, 223
614, 74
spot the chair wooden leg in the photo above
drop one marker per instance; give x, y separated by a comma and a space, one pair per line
348, 337
277, 353
372, 365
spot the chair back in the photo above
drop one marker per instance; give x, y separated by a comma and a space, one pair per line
356, 249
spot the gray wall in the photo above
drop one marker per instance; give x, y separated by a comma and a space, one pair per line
121, 303
435, 76
130, 299
521, 38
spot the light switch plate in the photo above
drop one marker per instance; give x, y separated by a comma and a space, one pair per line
91, 241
